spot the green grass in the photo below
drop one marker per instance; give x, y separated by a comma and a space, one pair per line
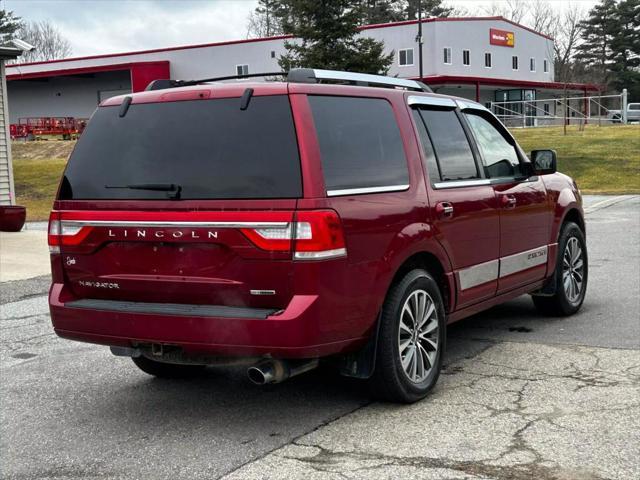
601, 159
36, 184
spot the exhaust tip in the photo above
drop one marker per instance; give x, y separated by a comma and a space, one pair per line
256, 375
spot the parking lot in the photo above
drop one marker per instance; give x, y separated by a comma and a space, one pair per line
521, 396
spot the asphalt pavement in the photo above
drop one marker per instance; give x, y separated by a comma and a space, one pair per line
521, 396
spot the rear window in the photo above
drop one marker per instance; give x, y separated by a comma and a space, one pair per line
210, 148
450, 143
360, 143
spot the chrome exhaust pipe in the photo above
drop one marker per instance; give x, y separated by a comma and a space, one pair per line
272, 370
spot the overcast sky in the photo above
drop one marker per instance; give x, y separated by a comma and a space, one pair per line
111, 26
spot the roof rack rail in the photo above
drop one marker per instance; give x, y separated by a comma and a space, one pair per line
307, 75
314, 75
162, 84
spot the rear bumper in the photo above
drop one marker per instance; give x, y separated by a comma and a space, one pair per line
296, 332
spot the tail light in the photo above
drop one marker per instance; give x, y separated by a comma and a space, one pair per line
62, 233
315, 235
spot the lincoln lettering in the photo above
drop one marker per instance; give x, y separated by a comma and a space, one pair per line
139, 233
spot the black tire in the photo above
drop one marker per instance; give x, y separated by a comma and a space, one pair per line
167, 370
390, 381
560, 304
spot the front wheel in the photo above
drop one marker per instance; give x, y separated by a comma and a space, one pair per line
411, 340
570, 276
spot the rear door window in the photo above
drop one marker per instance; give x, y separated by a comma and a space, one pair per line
452, 150
360, 144
210, 148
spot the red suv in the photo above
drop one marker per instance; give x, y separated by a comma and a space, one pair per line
279, 223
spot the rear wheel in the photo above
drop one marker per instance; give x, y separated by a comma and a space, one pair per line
411, 340
167, 370
570, 277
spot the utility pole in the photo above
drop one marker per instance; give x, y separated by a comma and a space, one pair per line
419, 37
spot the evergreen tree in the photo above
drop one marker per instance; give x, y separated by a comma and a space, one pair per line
381, 11
326, 33
9, 24
625, 49
430, 8
598, 32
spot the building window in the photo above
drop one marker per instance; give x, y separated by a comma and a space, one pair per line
545, 65
546, 108
532, 64
465, 57
514, 62
447, 55
273, 54
487, 60
405, 57
242, 70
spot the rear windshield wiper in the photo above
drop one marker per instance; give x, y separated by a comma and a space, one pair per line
173, 190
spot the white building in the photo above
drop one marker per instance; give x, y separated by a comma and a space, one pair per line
482, 58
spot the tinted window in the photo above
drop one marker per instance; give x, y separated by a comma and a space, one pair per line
450, 143
360, 143
499, 156
427, 148
211, 148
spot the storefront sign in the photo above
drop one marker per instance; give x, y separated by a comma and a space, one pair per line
501, 37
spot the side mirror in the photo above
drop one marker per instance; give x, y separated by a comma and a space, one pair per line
544, 162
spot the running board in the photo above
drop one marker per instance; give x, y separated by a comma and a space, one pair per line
178, 309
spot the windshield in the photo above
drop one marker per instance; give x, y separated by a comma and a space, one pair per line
209, 149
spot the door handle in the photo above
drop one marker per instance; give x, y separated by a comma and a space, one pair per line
444, 209
509, 201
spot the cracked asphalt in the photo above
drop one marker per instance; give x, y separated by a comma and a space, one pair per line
521, 397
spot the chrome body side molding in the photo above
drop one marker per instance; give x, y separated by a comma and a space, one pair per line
522, 261
462, 183
360, 191
475, 275
478, 274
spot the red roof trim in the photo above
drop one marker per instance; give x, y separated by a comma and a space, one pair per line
437, 79
81, 70
455, 19
155, 50
279, 37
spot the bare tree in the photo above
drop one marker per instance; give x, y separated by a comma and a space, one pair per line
542, 17
263, 21
566, 35
49, 42
514, 10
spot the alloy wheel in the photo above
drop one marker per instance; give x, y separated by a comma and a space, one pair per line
418, 336
573, 270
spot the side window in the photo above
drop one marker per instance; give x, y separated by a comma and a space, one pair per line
360, 143
499, 156
452, 151
431, 164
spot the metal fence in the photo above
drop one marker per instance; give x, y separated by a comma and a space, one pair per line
580, 110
